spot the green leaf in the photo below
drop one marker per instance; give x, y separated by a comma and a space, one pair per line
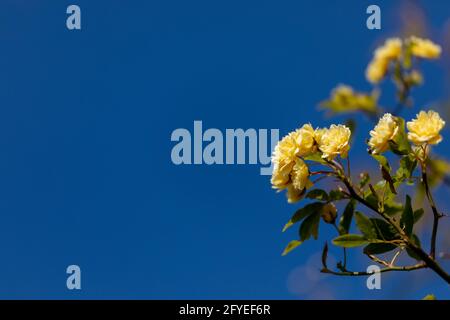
350, 240
335, 195
351, 124
365, 226
429, 297
365, 179
418, 214
382, 160
315, 157
384, 230
291, 246
400, 144
346, 219
302, 213
415, 239
387, 176
407, 219
310, 227
385, 170
379, 248
391, 207
317, 194
439, 170
406, 169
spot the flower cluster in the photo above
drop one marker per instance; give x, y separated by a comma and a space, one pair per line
392, 230
290, 171
425, 129
394, 49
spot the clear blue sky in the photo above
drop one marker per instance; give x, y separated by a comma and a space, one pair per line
85, 121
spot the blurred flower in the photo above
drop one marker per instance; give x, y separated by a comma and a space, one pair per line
392, 49
376, 70
424, 48
426, 128
343, 99
414, 78
384, 131
334, 141
378, 67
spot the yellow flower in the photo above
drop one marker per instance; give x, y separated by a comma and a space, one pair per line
378, 67
304, 139
300, 175
283, 160
392, 49
376, 70
424, 48
425, 128
335, 141
289, 171
318, 134
384, 131
296, 144
293, 194
299, 178
343, 98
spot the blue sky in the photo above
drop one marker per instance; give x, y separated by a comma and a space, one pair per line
85, 122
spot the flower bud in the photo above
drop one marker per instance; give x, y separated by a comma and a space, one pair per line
329, 213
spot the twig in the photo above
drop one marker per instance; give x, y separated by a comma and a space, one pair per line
436, 214
378, 260
365, 273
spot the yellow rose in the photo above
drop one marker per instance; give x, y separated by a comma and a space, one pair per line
300, 175
287, 152
424, 48
384, 131
304, 139
283, 160
425, 128
318, 134
289, 171
335, 141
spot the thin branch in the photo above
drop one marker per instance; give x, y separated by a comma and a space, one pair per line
436, 214
395, 257
365, 273
378, 260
